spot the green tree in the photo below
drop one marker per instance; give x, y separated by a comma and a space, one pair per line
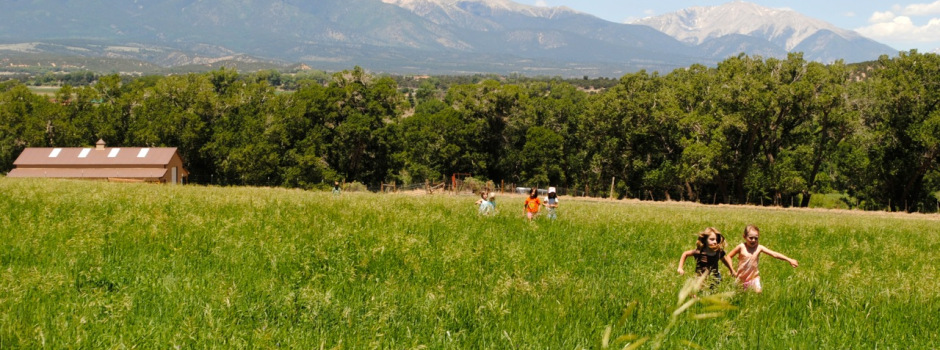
178, 112
361, 148
437, 141
832, 123
23, 123
702, 140
625, 134
542, 157
304, 133
903, 115
242, 149
488, 108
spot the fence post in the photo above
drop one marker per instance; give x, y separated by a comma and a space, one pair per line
612, 187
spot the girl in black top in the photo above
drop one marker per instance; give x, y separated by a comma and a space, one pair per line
709, 250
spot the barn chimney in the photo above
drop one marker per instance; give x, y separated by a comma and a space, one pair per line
99, 146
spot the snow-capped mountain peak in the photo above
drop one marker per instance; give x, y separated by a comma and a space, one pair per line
783, 27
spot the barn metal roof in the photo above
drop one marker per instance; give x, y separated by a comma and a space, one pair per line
110, 156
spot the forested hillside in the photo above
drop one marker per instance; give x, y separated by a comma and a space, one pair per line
750, 130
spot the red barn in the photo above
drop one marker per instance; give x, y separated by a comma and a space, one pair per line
127, 164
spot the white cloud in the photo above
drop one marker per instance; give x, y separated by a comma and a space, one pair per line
649, 12
905, 26
541, 3
849, 14
922, 9
881, 17
901, 29
887, 27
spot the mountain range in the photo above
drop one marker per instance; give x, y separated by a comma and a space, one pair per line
415, 36
738, 26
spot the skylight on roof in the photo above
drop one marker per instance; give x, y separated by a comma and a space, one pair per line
114, 152
143, 153
84, 153
55, 152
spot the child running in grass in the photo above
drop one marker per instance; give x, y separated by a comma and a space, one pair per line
749, 252
551, 203
532, 204
337, 190
709, 250
487, 207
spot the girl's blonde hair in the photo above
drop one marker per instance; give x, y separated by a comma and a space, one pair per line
703, 238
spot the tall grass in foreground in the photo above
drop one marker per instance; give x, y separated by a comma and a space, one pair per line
101, 265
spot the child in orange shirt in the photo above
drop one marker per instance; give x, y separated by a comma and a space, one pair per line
532, 204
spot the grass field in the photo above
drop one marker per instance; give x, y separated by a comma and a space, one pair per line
102, 265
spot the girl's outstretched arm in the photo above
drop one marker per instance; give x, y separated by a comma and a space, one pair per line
776, 255
685, 254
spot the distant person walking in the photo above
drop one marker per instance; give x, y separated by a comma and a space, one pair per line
532, 204
337, 190
551, 203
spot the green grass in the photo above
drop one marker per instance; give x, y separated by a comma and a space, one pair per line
103, 265
830, 201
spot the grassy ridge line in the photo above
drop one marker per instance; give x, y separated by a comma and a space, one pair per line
88, 264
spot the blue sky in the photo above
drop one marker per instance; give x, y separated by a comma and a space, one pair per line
903, 25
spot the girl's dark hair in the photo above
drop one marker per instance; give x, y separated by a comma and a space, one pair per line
552, 195
534, 192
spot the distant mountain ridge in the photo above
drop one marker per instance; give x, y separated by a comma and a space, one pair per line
400, 36
785, 31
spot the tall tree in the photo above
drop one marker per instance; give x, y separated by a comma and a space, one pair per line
362, 146
623, 134
542, 157
701, 137
178, 111
25, 121
904, 116
832, 122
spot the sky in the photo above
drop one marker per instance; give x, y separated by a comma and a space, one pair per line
903, 25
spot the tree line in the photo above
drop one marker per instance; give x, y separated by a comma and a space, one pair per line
749, 130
